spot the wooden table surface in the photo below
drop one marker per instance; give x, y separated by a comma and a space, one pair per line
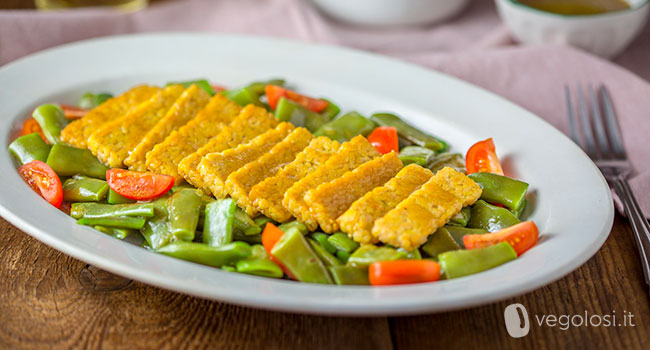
49, 300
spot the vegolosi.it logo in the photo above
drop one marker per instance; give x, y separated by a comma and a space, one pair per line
518, 322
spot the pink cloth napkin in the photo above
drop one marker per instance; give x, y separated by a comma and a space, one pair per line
474, 46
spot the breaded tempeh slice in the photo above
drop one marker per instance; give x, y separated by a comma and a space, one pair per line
165, 156
328, 201
357, 221
422, 213
77, 132
459, 185
240, 182
186, 107
351, 154
251, 122
268, 194
113, 141
216, 167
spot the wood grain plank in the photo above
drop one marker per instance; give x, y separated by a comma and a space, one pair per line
43, 305
611, 281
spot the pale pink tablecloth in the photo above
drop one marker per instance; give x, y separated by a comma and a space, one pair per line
474, 46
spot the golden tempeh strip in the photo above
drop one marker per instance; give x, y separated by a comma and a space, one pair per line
216, 167
357, 221
165, 156
351, 154
425, 210
240, 182
184, 109
268, 194
251, 122
113, 141
328, 201
77, 132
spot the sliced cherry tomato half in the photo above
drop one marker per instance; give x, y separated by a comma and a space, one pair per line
31, 126
218, 88
42, 179
403, 272
138, 185
384, 138
482, 157
521, 237
274, 93
73, 112
270, 236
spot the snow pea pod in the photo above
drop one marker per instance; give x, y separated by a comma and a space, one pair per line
455, 161
288, 111
217, 228
439, 242
321, 238
258, 86
341, 241
296, 254
259, 267
501, 189
119, 233
97, 210
157, 230
459, 263
416, 155
346, 127
297, 225
261, 221
207, 255
202, 83
458, 232
90, 100
84, 189
323, 254
331, 111
252, 239
349, 275
343, 256
368, 254
410, 133
52, 120
521, 209
68, 161
134, 222
243, 96
28, 148
462, 218
115, 198
490, 217
184, 210
244, 224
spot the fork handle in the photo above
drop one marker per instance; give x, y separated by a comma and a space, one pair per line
639, 223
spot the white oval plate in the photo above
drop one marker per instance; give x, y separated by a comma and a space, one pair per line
570, 200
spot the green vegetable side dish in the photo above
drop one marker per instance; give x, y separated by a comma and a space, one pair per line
187, 224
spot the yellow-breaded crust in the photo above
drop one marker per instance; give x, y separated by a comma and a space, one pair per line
77, 133
165, 156
240, 182
459, 185
216, 167
328, 201
422, 213
112, 142
186, 107
351, 154
357, 221
267, 195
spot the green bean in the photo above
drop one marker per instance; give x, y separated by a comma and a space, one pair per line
217, 228
243, 96
459, 263
439, 242
458, 232
501, 189
259, 87
52, 120
90, 100
368, 253
68, 161
455, 161
115, 198
207, 255
244, 224
259, 252
410, 133
343, 256
97, 210
119, 233
184, 209
302, 228
84, 189
259, 267
296, 254
321, 238
202, 83
261, 221
28, 148
157, 230
251, 239
462, 218
413, 254
288, 111
228, 268
323, 254
416, 155
349, 275
346, 127
331, 111
134, 222
342, 242
490, 217
521, 209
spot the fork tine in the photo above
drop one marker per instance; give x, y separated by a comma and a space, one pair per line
572, 120
603, 144
612, 125
586, 125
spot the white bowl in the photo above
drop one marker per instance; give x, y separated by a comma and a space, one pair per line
606, 34
391, 12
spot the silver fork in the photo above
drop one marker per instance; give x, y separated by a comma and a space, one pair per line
604, 144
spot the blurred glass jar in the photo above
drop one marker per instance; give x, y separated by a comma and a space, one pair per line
123, 5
